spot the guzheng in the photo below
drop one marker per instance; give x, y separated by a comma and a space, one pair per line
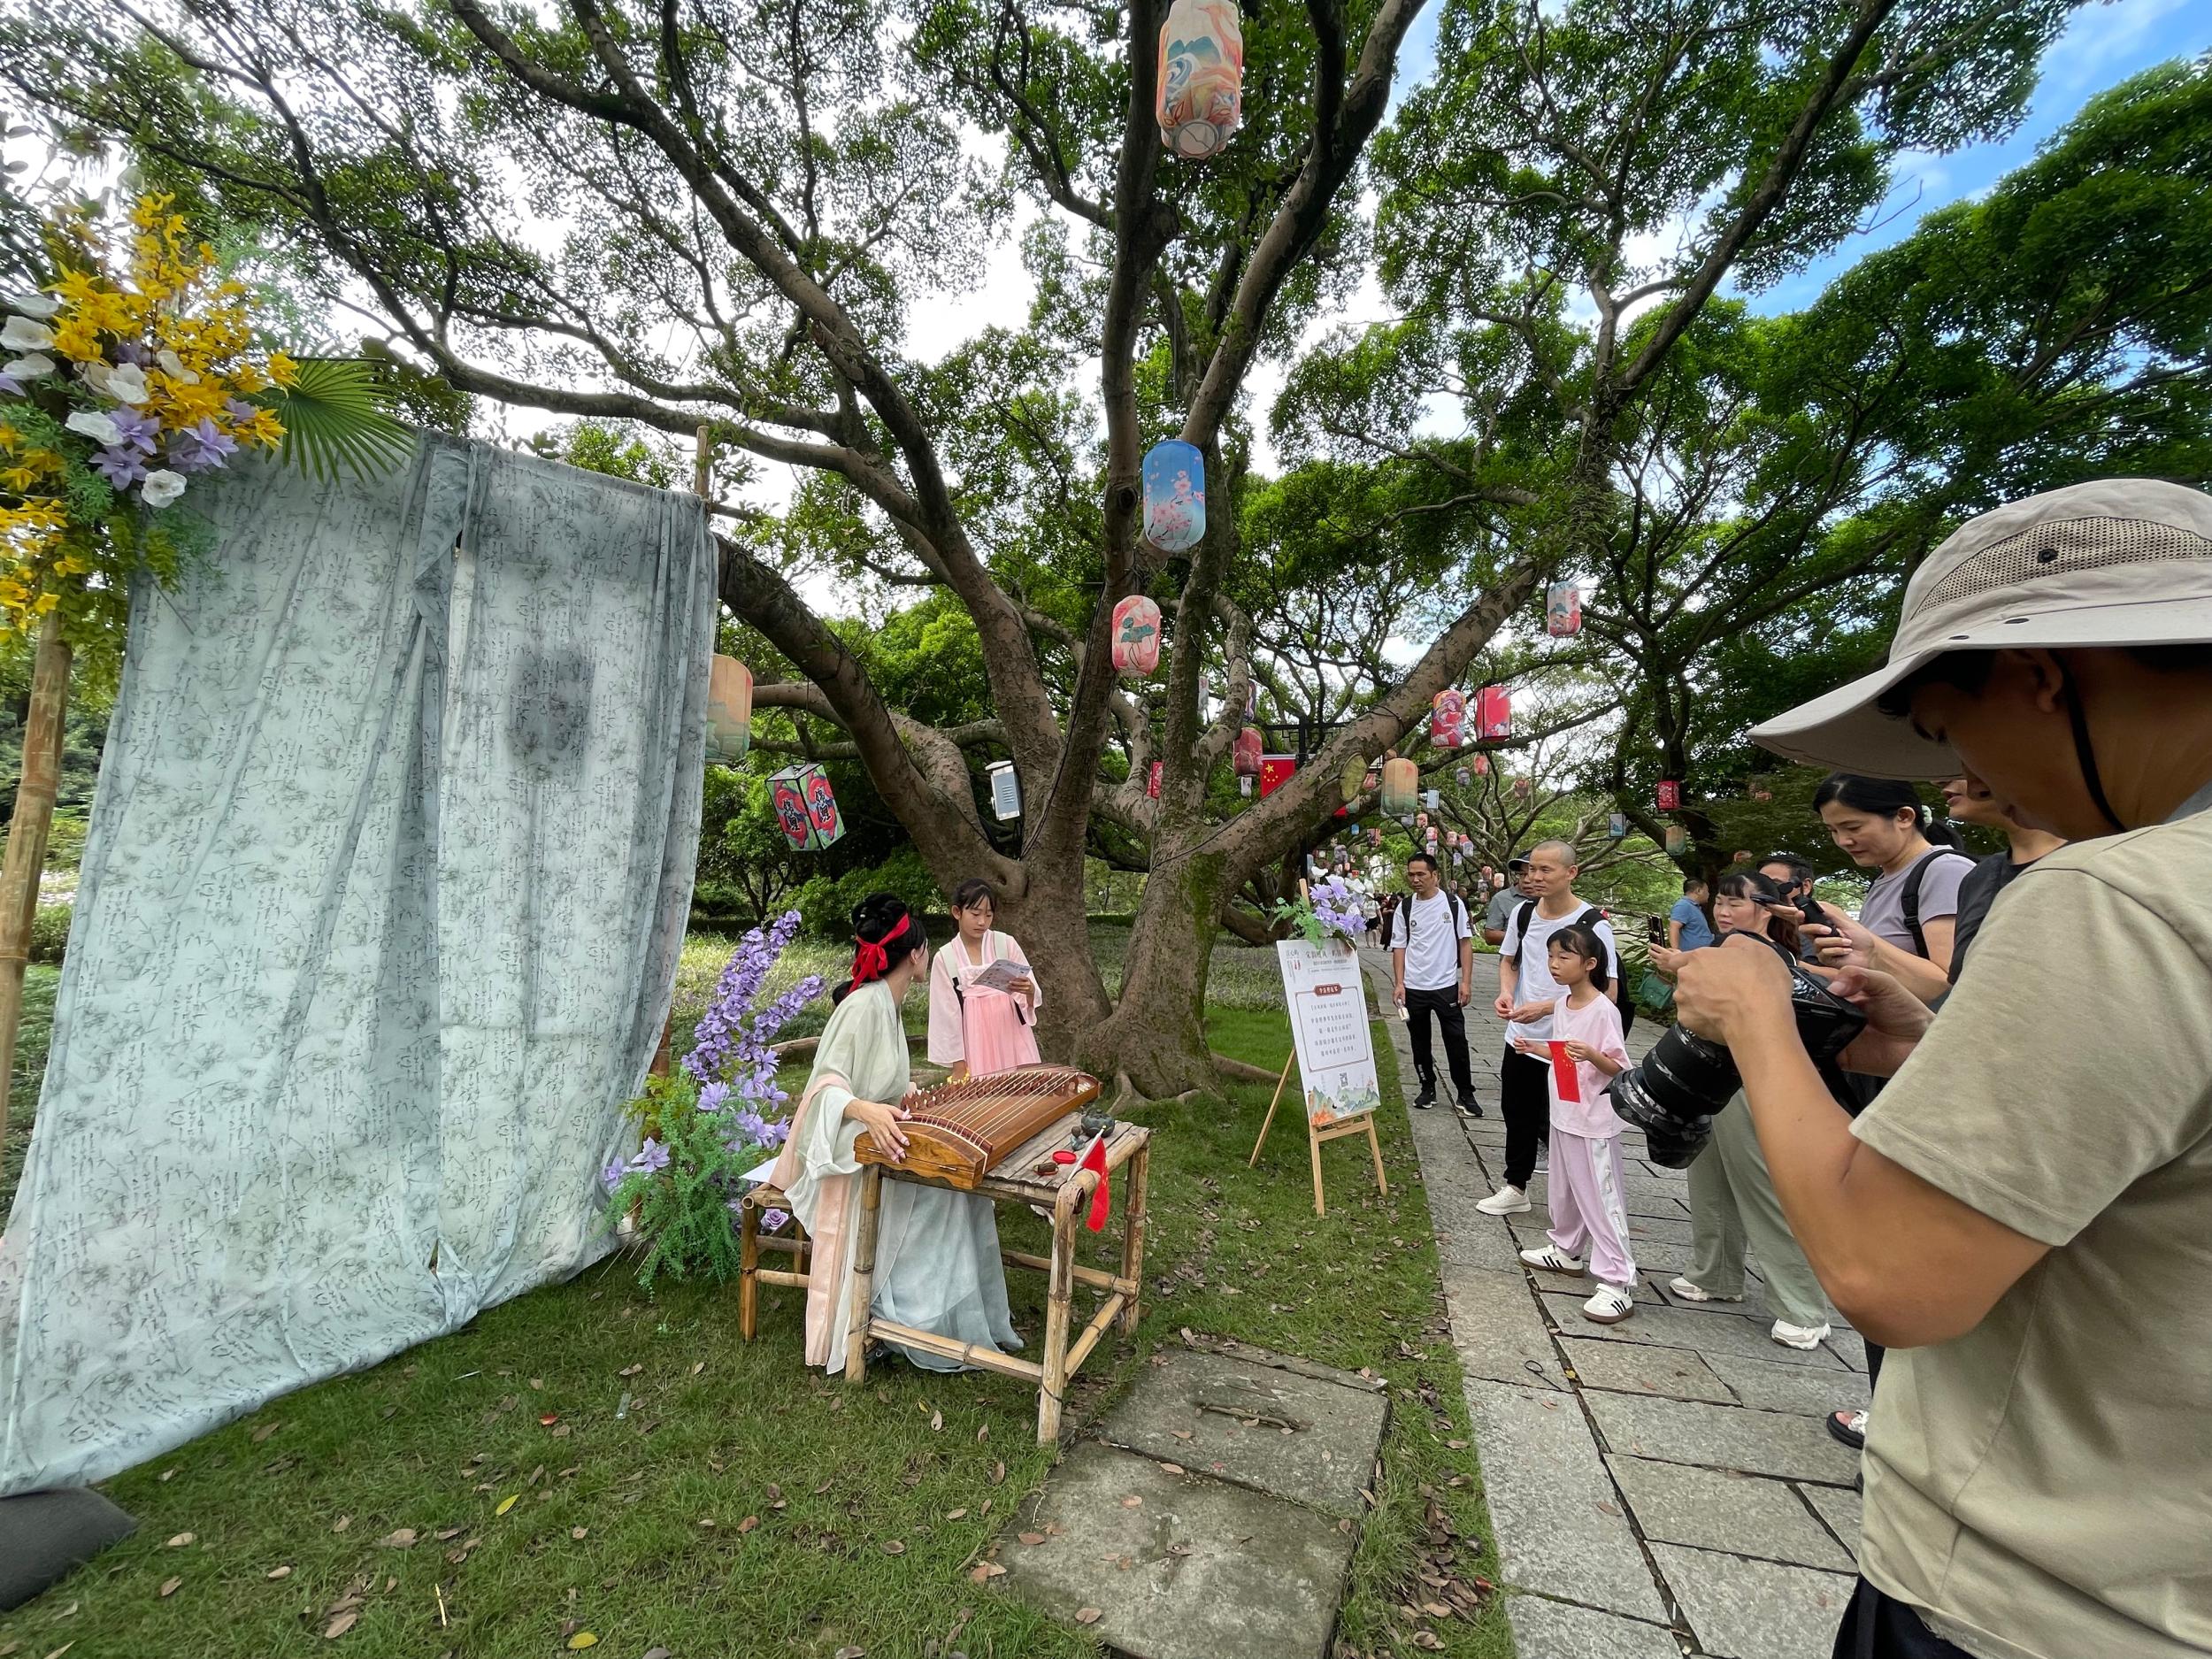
959, 1132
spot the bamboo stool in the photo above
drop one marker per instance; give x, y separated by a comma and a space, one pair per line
792, 1241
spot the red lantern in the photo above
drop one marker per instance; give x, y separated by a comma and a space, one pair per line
806, 807
1246, 757
729, 711
1152, 779
1563, 609
1201, 77
1448, 719
1521, 786
1482, 766
1136, 637
1494, 712
1669, 794
1400, 778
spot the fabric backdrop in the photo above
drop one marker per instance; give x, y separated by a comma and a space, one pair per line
376, 931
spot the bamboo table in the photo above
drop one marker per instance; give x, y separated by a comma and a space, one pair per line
1022, 1177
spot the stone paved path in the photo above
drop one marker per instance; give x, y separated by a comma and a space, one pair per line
1659, 1486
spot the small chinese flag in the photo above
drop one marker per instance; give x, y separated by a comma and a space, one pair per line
1101, 1201
1565, 1077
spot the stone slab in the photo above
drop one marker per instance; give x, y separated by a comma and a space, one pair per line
1212, 1570
1722, 1437
1849, 1346
1744, 1515
1679, 1373
1485, 1245
1323, 1464
1673, 1327
1841, 1507
1560, 1527
1753, 1609
1555, 1630
1804, 1389
1641, 1229
1497, 1330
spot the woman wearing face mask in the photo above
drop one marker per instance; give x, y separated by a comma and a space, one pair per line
1731, 1197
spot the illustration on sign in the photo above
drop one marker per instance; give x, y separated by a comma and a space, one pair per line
1327, 997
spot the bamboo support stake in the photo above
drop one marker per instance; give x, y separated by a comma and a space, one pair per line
1054, 1392
1134, 1203
1268, 1122
863, 1272
748, 1267
27, 836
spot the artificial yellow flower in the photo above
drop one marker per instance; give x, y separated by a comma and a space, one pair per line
283, 369
77, 340
248, 379
19, 478
265, 429
45, 461
185, 404
45, 602
76, 288
10, 438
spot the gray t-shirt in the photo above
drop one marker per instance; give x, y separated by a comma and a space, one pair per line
1501, 910
1883, 914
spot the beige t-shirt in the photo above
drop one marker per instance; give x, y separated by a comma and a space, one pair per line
2041, 1488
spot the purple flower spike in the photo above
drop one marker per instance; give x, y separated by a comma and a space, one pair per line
121, 465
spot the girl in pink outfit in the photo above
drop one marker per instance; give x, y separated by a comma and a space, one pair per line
1588, 1199
974, 1028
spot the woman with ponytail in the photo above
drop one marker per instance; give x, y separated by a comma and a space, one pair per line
938, 1266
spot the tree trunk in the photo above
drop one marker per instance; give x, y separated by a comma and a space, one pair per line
1252, 929
1046, 918
1155, 1036
26, 837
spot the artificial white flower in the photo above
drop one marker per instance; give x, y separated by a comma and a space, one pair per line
126, 383
30, 305
28, 368
173, 366
98, 427
161, 488
22, 335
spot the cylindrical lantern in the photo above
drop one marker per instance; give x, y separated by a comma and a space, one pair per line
1482, 766
1152, 779
1494, 712
1741, 857
1432, 798
1400, 779
1617, 826
1463, 777
729, 711
1563, 609
1669, 794
1354, 773
1174, 496
1521, 786
1136, 637
1006, 790
1201, 77
1374, 780
1247, 756
806, 807
1420, 821
1374, 837
1447, 718
1677, 838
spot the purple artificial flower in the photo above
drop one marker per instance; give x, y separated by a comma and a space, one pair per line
133, 351
651, 1157
120, 465
239, 410
200, 447
10, 386
773, 1219
612, 1175
714, 1097
136, 428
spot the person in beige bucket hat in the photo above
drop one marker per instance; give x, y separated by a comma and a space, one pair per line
2025, 1215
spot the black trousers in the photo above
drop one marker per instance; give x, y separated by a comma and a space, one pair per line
1524, 1102
1878, 1626
1445, 1006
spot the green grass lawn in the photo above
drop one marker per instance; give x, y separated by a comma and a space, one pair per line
743, 1505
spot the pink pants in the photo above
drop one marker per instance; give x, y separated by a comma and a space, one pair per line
1589, 1203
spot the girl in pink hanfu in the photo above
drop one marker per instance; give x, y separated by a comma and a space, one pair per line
979, 1029
1588, 1198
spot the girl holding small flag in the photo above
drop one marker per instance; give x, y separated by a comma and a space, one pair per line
1587, 1195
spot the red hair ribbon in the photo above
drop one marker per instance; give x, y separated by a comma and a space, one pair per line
872, 961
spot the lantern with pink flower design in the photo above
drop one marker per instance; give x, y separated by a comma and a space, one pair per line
1247, 756
1494, 712
1563, 609
1447, 718
1136, 633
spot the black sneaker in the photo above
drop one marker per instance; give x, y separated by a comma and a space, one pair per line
1426, 1098
1469, 1107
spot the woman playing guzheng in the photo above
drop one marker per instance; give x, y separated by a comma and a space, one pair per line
937, 1254
979, 1028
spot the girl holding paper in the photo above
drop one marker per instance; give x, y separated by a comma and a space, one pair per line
1588, 1197
982, 997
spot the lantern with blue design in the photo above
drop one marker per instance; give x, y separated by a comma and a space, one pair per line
1174, 496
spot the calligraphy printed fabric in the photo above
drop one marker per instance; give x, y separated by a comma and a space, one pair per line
375, 933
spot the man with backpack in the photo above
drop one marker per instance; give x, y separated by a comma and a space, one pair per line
1526, 992
1432, 971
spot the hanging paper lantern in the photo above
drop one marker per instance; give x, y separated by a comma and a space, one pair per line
1152, 779
1352, 779
1463, 777
729, 711
1563, 609
1669, 794
1482, 766
1521, 786
1006, 790
1400, 779
1246, 757
1677, 838
1174, 496
1201, 77
1136, 637
1374, 837
806, 807
1617, 826
1494, 712
1740, 857
1447, 718
1432, 798
1374, 780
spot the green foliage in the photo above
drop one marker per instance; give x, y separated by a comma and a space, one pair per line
826, 903
335, 421
49, 932
619, 451
682, 1183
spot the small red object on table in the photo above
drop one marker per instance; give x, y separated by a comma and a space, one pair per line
1063, 1156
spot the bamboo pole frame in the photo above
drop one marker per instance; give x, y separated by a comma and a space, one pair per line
27, 832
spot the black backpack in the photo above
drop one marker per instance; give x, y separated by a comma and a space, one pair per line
1405, 916
1590, 918
1909, 900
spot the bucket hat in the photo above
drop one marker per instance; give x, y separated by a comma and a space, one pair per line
2119, 562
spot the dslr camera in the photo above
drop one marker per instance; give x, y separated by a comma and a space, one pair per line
1673, 1093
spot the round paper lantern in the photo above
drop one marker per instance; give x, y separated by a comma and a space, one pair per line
1400, 778
1448, 719
1494, 712
1482, 766
1201, 77
1563, 609
1521, 786
1677, 838
1136, 637
729, 711
1669, 794
1174, 496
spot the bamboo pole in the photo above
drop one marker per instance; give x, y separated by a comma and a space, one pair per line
1135, 1205
27, 836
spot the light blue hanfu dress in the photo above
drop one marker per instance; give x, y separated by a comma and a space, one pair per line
938, 1267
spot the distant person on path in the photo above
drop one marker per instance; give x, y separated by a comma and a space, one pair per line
1432, 972
2025, 1212
1686, 927
1589, 1205
1508, 894
1526, 992
1970, 802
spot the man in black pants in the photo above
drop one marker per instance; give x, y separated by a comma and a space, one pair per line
1525, 993
1431, 971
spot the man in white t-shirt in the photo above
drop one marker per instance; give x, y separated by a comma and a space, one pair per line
1431, 971
1525, 993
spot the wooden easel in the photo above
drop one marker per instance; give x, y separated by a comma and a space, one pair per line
1364, 1124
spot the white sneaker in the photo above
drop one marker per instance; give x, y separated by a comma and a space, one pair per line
1689, 1292
1552, 1259
1543, 1160
1507, 1201
1798, 1335
1610, 1306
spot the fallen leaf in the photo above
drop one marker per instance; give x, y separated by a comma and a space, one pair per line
985, 1571
169, 1586
1179, 1549
180, 1540
550, 1418
983, 1434
824, 1488
998, 1473
1088, 1615
560, 1431
936, 1423
1608, 1508
1427, 1641
955, 1515
340, 1625
747, 1524
849, 1653
578, 1531
1033, 1538
168, 1474
341, 1523
1133, 1502
404, 1539
265, 1431
1182, 1434
629, 1370
700, 1366
278, 1573
658, 1653
1436, 1610
1172, 1468
893, 1546
582, 1639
